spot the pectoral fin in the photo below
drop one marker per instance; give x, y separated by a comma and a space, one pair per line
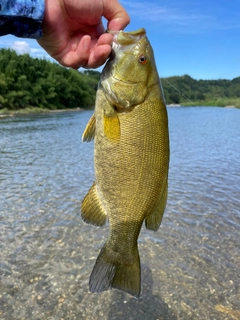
91, 210
153, 221
112, 127
89, 132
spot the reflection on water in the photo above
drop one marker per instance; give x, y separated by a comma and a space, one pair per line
190, 267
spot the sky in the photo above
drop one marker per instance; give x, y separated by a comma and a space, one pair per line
200, 38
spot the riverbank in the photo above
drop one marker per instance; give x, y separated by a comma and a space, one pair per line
13, 113
221, 102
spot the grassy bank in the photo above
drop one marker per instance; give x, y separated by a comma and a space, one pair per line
23, 111
221, 102
31, 110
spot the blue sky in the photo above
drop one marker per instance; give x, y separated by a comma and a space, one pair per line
200, 38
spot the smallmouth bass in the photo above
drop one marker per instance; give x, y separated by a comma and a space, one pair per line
131, 159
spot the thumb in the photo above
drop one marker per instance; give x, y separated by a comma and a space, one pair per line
116, 15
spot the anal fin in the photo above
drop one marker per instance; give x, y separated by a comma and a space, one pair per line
91, 209
154, 220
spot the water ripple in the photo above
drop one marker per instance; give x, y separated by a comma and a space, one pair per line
190, 266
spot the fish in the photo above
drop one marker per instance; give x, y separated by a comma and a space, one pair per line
129, 127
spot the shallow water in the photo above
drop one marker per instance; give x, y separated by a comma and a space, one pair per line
190, 267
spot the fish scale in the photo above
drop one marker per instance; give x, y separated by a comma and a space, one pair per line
131, 159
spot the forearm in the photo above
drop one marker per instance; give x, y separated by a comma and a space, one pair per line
22, 18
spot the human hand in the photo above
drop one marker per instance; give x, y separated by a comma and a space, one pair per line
73, 32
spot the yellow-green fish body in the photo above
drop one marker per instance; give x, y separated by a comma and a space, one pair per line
131, 158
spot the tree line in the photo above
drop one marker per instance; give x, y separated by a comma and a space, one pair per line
186, 90
27, 82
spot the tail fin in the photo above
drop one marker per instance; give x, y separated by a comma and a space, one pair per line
107, 274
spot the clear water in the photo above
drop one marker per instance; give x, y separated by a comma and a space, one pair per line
190, 267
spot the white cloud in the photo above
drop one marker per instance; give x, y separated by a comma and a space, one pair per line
21, 47
230, 27
174, 16
155, 12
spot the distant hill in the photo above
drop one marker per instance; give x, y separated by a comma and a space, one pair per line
28, 83
181, 89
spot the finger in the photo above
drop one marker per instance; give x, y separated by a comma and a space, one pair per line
98, 56
116, 15
78, 57
101, 51
105, 38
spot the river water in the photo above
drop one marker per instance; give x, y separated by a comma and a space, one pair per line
190, 266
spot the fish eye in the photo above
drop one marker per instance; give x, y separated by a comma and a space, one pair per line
143, 59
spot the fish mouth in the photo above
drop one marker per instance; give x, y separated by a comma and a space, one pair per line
127, 38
